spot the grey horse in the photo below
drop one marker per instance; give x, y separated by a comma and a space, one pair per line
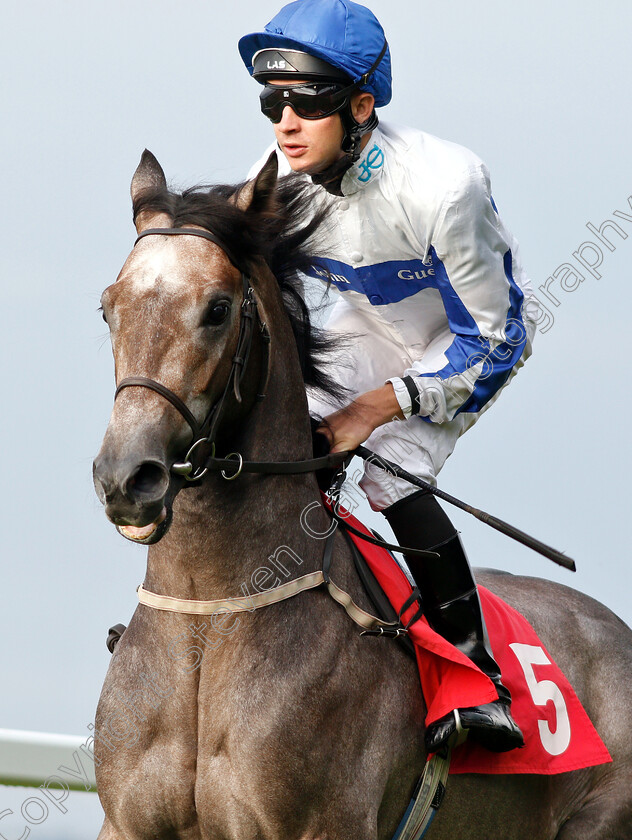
283, 723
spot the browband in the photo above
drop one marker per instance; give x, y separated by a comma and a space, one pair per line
205, 234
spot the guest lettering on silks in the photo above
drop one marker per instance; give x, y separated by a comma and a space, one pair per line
430, 285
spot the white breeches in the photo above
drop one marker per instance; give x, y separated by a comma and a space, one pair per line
372, 355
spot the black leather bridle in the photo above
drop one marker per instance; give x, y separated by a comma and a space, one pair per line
200, 457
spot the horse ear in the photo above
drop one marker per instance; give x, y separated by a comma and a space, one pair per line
148, 175
258, 195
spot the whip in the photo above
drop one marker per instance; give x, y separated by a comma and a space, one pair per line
498, 524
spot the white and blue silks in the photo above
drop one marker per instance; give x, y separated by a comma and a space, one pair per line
432, 289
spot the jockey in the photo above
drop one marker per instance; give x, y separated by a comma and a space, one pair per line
431, 288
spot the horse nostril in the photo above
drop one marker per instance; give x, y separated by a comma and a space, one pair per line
102, 486
150, 479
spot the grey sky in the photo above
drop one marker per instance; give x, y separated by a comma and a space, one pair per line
540, 91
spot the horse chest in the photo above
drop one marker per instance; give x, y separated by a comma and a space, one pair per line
276, 745
235, 742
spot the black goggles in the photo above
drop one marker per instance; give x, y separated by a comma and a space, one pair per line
311, 102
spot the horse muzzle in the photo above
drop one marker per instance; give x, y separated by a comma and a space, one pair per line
134, 496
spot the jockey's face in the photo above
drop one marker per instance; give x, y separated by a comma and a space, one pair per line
310, 146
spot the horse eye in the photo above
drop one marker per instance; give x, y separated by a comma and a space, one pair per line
217, 313
102, 311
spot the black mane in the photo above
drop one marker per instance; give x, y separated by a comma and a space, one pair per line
279, 237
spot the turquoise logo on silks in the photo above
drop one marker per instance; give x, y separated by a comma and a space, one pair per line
372, 162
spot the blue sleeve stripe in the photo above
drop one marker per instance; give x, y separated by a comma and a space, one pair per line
468, 351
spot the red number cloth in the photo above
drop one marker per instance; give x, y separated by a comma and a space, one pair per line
558, 733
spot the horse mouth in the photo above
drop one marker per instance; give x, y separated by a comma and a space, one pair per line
147, 534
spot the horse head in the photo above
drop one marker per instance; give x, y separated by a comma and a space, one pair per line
177, 316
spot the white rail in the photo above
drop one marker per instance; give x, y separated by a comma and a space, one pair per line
36, 759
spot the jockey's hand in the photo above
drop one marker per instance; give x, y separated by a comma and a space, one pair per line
347, 428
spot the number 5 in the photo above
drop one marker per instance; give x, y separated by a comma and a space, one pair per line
543, 691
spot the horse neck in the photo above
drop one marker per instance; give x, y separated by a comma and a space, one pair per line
225, 534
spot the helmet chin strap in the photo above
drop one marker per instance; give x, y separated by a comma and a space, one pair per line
331, 177
354, 132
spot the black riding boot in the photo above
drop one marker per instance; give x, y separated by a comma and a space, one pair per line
452, 607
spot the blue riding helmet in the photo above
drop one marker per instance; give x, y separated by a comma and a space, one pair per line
342, 33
